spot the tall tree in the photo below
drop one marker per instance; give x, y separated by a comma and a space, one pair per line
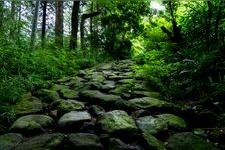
1, 14
34, 26
59, 24
74, 24
43, 31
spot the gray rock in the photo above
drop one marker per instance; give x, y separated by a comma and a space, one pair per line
73, 119
117, 120
84, 141
10, 140
42, 142
151, 125
31, 124
96, 97
107, 85
188, 141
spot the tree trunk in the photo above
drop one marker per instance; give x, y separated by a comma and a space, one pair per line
43, 30
74, 24
59, 24
1, 14
13, 20
34, 26
83, 18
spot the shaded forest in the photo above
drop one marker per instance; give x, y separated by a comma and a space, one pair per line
178, 48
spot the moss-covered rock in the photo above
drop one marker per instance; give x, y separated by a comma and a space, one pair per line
64, 106
27, 105
137, 94
150, 125
117, 144
107, 85
10, 140
98, 77
188, 141
68, 93
58, 87
84, 141
73, 120
96, 110
48, 95
153, 142
96, 97
115, 121
174, 121
31, 124
148, 102
42, 142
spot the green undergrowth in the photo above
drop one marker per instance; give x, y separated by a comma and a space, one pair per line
23, 70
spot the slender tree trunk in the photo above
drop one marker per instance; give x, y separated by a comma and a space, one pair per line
13, 19
74, 24
83, 18
218, 19
59, 24
34, 26
43, 30
1, 14
91, 19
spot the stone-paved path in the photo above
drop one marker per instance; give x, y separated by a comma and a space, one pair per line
103, 108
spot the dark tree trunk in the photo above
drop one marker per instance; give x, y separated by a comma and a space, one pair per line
43, 30
34, 26
83, 18
59, 24
74, 24
1, 14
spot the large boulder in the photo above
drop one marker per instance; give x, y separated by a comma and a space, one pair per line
84, 141
10, 140
116, 121
31, 124
65, 106
151, 125
42, 142
96, 97
73, 120
188, 141
149, 103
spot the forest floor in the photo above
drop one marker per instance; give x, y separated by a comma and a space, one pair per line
105, 107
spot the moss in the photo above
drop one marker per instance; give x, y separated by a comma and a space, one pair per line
116, 120
173, 120
153, 142
147, 102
